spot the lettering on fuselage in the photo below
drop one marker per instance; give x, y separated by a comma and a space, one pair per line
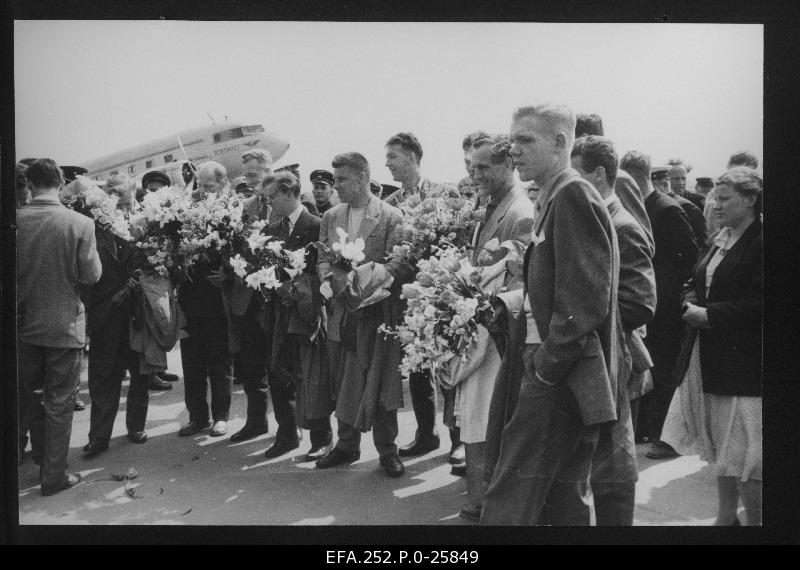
227, 149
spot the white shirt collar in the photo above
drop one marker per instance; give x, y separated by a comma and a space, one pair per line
610, 200
293, 217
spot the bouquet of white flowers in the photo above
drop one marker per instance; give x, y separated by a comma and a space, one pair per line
445, 305
263, 263
213, 223
85, 196
438, 220
157, 229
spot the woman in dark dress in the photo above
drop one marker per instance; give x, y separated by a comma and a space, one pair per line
723, 307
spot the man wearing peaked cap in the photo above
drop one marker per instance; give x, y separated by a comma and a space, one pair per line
154, 180
659, 172
240, 186
323, 188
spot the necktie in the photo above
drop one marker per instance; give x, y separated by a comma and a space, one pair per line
285, 227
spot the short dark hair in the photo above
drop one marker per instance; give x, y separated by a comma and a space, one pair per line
44, 173
636, 163
19, 175
353, 160
284, 181
501, 147
743, 158
473, 137
28, 161
588, 124
408, 142
704, 182
597, 151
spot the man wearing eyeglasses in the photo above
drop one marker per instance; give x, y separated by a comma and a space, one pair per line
257, 165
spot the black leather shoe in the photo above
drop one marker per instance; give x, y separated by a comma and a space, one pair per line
157, 383
457, 454
193, 427
68, 482
420, 446
280, 447
661, 450
392, 465
459, 469
471, 513
94, 447
167, 376
338, 457
319, 452
249, 431
79, 406
137, 436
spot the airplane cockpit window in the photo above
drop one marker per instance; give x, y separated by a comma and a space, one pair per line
230, 134
252, 129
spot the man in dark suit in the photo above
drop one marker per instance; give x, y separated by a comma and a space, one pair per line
111, 306
57, 256
572, 338
676, 252
625, 187
678, 172
614, 472
660, 176
298, 380
204, 354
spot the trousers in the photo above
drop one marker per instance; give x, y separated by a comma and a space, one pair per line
384, 433
614, 473
109, 356
253, 360
205, 360
423, 401
55, 373
542, 471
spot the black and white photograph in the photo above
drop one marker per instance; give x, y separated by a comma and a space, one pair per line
388, 274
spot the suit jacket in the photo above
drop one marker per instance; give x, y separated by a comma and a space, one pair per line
426, 187
637, 279
255, 209
572, 269
115, 256
56, 256
696, 199
676, 252
731, 349
629, 194
376, 359
302, 317
636, 294
512, 220
696, 219
380, 231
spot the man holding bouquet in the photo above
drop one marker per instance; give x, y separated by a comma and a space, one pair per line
299, 381
403, 156
364, 364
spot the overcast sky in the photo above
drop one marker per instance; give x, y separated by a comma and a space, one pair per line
87, 88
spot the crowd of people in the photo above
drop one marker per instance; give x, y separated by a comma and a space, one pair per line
626, 309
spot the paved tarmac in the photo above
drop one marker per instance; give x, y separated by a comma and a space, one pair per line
202, 480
